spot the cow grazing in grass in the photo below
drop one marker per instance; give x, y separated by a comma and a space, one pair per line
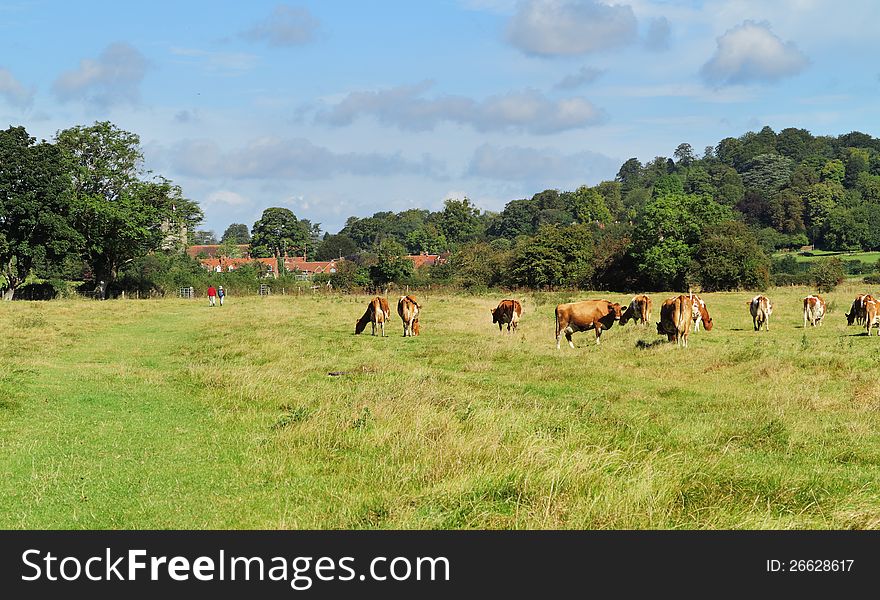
507, 311
586, 315
639, 310
699, 314
676, 319
409, 309
376, 314
872, 315
814, 310
858, 311
760, 308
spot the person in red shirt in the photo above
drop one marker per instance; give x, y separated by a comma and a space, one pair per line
212, 295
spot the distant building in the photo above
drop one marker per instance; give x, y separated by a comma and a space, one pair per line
222, 264
429, 260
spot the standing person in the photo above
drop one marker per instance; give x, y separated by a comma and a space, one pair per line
221, 294
212, 295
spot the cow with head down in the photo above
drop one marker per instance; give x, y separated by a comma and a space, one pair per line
814, 310
639, 310
408, 309
761, 308
676, 319
858, 311
700, 314
583, 316
377, 314
507, 311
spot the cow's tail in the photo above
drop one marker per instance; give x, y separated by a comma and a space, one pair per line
556, 315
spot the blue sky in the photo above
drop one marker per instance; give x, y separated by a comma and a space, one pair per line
339, 108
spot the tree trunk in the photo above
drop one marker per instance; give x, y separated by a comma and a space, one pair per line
8, 293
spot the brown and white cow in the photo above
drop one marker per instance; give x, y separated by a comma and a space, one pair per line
857, 312
676, 318
761, 308
409, 309
872, 315
507, 311
639, 310
377, 313
699, 314
586, 315
814, 310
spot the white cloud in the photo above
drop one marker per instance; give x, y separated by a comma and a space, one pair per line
750, 52
584, 76
540, 165
286, 26
13, 91
113, 78
228, 62
570, 27
657, 36
407, 108
227, 197
276, 158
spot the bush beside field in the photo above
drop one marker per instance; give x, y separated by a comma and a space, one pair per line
170, 414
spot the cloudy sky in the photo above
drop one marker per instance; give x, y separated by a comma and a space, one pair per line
344, 107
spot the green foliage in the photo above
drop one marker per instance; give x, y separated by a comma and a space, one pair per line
827, 274
460, 221
589, 207
278, 233
335, 246
391, 265
237, 233
556, 256
120, 216
35, 216
728, 257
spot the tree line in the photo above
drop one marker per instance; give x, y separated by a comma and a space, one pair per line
81, 207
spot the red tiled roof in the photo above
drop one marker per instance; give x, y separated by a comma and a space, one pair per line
421, 260
299, 263
225, 263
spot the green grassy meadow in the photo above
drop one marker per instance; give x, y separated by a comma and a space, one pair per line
170, 414
869, 258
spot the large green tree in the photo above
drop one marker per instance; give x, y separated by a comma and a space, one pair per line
35, 224
278, 233
120, 215
237, 233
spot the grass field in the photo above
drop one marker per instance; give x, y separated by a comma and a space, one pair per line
869, 258
170, 414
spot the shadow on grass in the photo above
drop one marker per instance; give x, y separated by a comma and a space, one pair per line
643, 345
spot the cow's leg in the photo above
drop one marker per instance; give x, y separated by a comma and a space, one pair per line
755, 323
598, 327
382, 327
568, 332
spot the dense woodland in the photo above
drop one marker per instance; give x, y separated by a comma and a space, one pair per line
82, 209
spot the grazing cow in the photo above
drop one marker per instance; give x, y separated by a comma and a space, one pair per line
639, 310
377, 313
872, 315
507, 311
586, 315
676, 319
699, 314
814, 310
761, 308
408, 309
857, 312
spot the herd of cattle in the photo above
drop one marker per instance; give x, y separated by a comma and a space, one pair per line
678, 316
